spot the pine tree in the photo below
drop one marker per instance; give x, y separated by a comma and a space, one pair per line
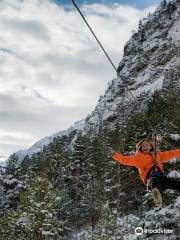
107, 226
12, 165
35, 217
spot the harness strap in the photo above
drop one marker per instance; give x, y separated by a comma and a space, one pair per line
154, 159
152, 170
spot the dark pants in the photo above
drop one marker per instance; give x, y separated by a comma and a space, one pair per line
163, 183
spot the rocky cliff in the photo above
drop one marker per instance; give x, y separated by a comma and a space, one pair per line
67, 185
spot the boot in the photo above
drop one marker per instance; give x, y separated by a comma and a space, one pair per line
156, 195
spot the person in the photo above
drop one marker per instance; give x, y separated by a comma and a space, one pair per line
150, 167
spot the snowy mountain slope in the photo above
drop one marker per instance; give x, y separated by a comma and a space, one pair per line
38, 146
155, 224
157, 220
151, 58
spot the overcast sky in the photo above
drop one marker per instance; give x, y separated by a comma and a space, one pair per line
51, 70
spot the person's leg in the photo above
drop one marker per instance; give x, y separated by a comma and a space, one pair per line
155, 182
169, 183
155, 185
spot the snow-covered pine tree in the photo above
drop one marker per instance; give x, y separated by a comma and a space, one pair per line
35, 217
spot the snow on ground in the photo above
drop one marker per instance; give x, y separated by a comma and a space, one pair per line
175, 136
81, 233
174, 32
174, 174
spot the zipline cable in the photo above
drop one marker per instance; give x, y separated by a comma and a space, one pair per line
94, 35
86, 22
118, 75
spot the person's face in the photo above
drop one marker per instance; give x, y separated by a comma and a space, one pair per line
146, 147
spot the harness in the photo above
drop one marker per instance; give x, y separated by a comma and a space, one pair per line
155, 171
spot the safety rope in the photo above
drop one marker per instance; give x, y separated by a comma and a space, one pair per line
112, 64
131, 94
105, 52
118, 75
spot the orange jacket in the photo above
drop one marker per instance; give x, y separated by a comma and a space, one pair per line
143, 161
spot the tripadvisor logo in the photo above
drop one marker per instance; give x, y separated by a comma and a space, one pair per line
139, 231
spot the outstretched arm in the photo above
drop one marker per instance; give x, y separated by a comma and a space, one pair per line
126, 160
168, 155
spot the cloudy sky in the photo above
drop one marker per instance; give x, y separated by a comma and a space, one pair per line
51, 69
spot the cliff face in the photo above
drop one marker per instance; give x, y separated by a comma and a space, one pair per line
68, 180
150, 64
